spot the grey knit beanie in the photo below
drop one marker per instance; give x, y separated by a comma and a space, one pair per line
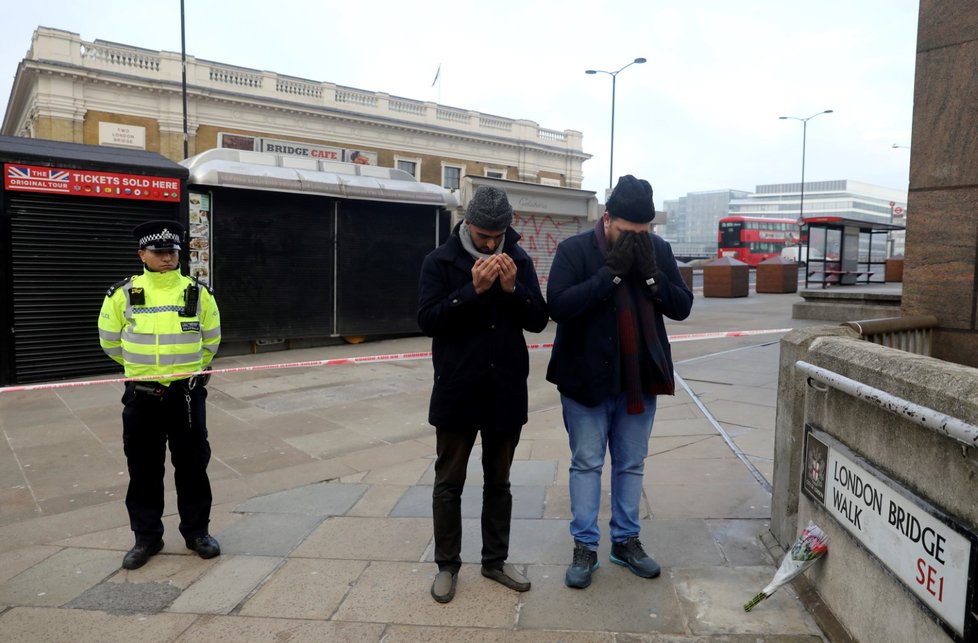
489, 209
632, 200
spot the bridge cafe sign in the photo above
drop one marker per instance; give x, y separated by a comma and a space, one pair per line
925, 549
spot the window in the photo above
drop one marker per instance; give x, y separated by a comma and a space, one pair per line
411, 166
495, 174
451, 176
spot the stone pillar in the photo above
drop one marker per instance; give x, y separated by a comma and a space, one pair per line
942, 210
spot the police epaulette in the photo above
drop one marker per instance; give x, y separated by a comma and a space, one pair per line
203, 285
116, 286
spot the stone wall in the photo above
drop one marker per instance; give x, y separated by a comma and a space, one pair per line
942, 222
870, 602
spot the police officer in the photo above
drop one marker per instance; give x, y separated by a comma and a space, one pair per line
162, 325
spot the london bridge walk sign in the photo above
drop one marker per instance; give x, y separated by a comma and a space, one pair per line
928, 551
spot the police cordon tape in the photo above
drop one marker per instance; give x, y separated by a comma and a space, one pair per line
338, 361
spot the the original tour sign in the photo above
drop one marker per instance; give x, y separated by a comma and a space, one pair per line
922, 547
54, 180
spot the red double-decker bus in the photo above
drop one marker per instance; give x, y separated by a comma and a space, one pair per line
754, 239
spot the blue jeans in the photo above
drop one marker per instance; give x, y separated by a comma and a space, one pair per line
591, 430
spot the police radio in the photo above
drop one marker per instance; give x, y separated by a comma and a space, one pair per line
190, 297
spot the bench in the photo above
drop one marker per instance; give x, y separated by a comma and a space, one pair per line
838, 274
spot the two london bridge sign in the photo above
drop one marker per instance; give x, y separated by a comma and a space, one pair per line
930, 553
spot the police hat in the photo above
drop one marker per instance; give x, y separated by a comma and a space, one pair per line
158, 235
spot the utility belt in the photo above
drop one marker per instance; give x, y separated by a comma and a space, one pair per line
155, 389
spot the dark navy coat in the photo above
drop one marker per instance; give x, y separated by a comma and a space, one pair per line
584, 363
478, 349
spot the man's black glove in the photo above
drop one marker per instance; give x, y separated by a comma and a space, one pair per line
622, 255
645, 261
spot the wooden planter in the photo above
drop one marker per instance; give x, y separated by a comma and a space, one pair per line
726, 277
777, 275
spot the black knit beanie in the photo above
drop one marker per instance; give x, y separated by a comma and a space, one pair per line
489, 209
632, 200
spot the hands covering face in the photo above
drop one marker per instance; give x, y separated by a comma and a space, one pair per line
487, 271
633, 252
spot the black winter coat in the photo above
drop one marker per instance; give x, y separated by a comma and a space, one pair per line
478, 349
585, 362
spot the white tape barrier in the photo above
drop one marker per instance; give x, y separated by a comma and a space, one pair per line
363, 359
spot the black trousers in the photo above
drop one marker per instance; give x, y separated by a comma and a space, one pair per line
453, 448
148, 423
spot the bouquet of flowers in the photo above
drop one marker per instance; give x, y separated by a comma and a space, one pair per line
811, 545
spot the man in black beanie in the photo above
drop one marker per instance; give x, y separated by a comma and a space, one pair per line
477, 294
608, 291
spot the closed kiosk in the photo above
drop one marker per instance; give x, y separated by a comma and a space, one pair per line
301, 250
66, 217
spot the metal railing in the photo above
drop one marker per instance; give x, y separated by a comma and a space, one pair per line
941, 423
913, 334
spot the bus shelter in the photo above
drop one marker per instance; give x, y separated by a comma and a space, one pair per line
845, 251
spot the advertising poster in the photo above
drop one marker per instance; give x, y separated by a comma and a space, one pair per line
199, 237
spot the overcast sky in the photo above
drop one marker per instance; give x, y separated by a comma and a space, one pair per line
701, 114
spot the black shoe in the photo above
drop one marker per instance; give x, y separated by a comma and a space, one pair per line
630, 554
443, 587
508, 576
585, 562
205, 546
138, 555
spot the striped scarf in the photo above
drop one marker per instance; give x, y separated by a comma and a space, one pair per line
643, 371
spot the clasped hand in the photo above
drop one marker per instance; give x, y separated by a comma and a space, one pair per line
486, 271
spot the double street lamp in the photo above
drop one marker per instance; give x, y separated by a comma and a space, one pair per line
614, 76
804, 136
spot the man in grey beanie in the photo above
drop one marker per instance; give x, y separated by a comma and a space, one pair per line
478, 292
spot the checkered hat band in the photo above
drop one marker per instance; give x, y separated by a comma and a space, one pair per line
163, 236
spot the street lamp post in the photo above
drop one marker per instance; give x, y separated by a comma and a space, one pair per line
804, 137
614, 76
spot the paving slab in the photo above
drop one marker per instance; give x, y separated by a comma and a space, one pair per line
127, 598
225, 628
18, 560
305, 588
740, 541
178, 571
225, 585
33, 624
325, 499
353, 538
378, 501
406, 474
681, 543
59, 578
713, 600
616, 601
391, 592
333, 443
528, 502
267, 534
422, 634
736, 499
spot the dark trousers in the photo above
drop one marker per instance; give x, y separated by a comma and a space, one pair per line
454, 447
148, 423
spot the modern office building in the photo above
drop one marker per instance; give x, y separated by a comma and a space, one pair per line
692, 221
839, 198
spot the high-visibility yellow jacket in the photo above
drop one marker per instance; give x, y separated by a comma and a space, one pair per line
141, 327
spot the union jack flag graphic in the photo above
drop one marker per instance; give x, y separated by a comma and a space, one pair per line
24, 172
